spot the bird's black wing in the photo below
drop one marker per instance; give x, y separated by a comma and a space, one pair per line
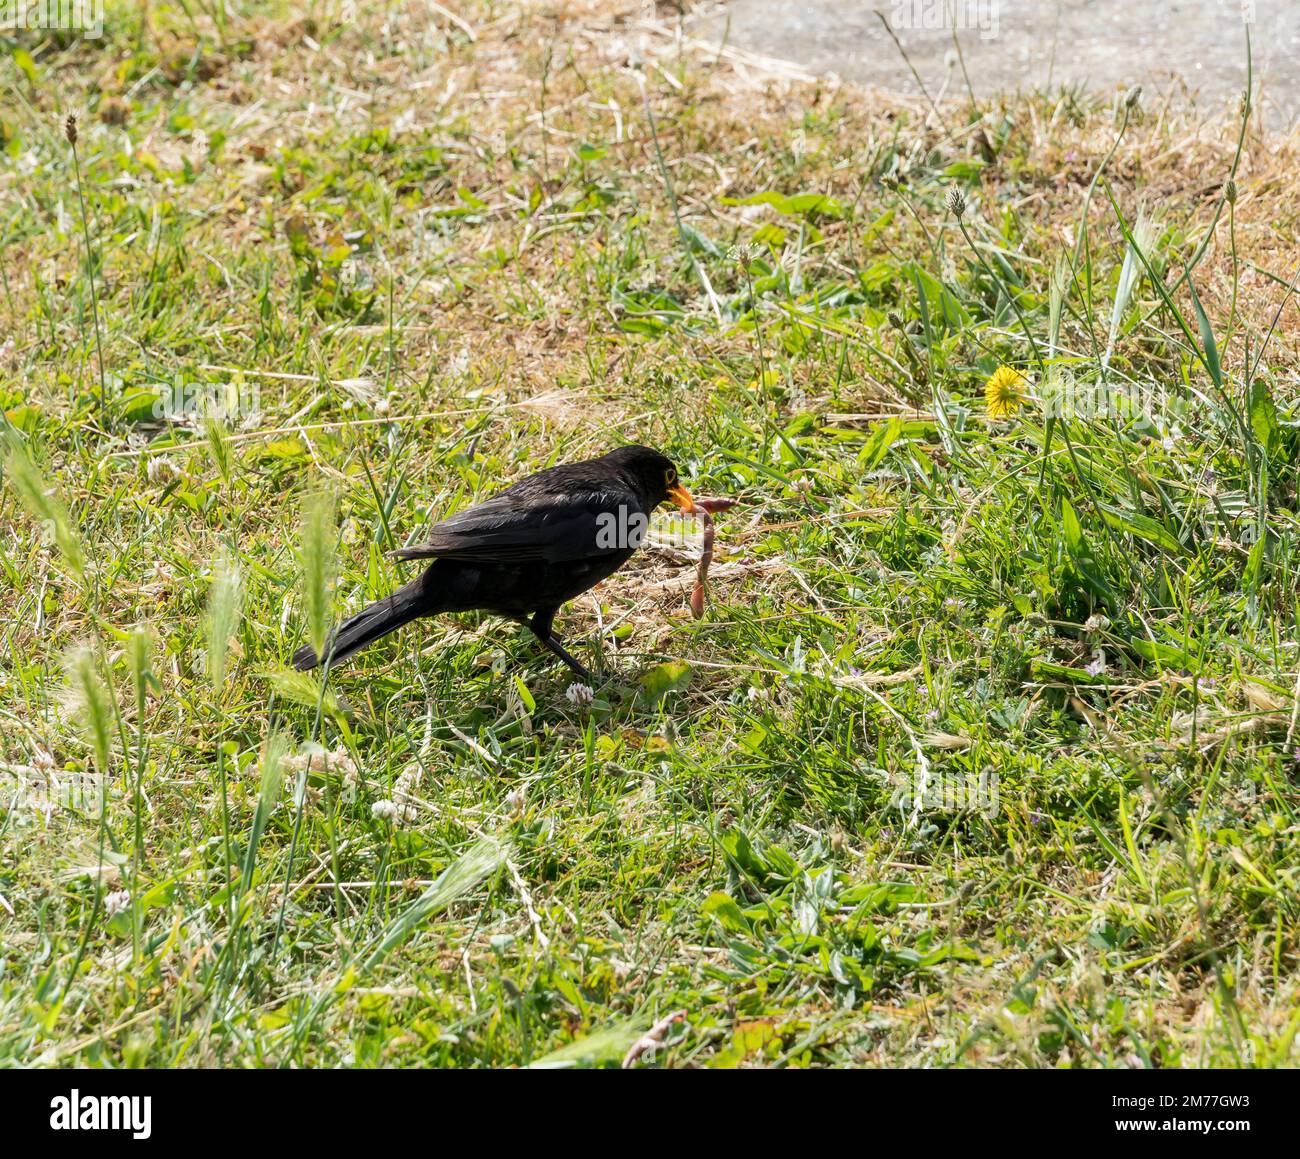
524, 524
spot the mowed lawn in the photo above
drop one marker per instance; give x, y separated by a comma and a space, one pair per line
984, 752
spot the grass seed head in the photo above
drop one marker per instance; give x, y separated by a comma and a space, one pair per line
91, 704
222, 621
42, 501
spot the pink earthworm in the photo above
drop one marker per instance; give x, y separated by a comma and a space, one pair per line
703, 511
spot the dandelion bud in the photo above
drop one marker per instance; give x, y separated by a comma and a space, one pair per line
70, 129
1132, 97
956, 202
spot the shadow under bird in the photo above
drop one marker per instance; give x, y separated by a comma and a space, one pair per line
526, 551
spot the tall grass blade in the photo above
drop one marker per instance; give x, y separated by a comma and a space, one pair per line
454, 883
1056, 303
1208, 344
139, 662
1144, 235
272, 757
319, 566
603, 1045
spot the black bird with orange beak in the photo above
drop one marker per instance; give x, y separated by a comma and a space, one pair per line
526, 551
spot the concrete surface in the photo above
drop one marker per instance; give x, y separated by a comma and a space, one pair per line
1192, 49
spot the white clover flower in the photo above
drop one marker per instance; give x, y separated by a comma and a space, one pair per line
115, 903
160, 469
408, 781
579, 694
386, 810
350, 783
404, 792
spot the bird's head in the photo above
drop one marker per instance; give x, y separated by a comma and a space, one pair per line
653, 475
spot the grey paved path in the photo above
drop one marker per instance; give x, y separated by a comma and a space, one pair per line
1192, 48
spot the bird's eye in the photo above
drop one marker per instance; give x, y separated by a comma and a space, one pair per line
670, 476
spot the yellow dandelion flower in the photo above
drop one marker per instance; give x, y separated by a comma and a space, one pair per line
1005, 392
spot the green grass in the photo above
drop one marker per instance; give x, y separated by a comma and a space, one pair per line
417, 265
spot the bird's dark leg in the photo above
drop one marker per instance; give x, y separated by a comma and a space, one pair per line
541, 628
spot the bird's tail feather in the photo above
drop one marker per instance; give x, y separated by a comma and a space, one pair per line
368, 625
419, 551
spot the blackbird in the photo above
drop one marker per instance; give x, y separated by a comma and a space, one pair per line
525, 551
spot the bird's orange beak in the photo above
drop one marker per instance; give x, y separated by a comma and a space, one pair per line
682, 497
